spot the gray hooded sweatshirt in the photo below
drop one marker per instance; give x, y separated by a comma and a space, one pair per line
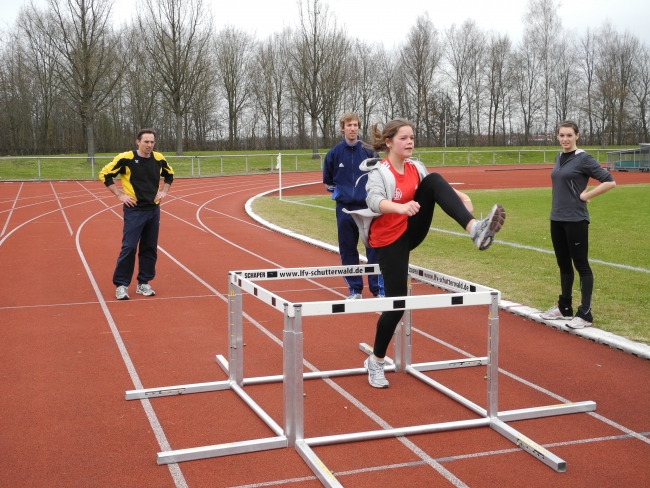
380, 186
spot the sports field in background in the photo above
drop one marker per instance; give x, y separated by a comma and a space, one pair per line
217, 163
521, 263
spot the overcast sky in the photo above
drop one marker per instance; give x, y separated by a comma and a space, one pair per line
388, 21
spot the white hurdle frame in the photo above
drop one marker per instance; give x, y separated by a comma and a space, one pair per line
463, 293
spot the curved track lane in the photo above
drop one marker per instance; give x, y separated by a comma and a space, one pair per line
69, 350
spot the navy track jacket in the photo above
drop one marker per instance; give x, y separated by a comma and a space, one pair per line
341, 169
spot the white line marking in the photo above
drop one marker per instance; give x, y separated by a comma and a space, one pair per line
440, 460
540, 389
11, 211
65, 217
497, 241
174, 468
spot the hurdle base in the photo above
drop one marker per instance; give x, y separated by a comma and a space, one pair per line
205, 452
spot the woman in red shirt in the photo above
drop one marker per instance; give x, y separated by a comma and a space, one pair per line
403, 195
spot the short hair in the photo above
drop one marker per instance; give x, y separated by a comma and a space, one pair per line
569, 124
378, 138
347, 117
142, 132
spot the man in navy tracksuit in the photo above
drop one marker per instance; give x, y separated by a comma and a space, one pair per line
340, 174
140, 172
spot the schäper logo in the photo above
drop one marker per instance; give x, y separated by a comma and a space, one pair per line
398, 194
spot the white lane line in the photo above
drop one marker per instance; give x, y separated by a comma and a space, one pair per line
36, 218
65, 217
178, 297
440, 460
546, 251
410, 445
540, 389
11, 211
174, 469
498, 241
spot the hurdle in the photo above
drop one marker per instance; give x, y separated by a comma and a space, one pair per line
291, 434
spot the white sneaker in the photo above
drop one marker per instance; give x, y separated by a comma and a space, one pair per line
354, 296
482, 231
122, 293
145, 289
376, 376
553, 313
578, 323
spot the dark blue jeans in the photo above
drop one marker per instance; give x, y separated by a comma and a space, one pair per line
140, 227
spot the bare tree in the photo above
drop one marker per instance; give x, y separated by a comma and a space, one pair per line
364, 75
234, 58
176, 36
543, 28
88, 64
614, 74
390, 84
586, 59
499, 52
565, 80
461, 54
641, 89
528, 84
316, 62
420, 56
40, 59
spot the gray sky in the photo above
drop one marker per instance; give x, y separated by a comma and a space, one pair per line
388, 21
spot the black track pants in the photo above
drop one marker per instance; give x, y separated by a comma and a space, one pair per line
394, 258
571, 245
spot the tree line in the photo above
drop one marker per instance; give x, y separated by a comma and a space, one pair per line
72, 81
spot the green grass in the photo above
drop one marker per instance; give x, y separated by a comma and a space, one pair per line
618, 234
219, 163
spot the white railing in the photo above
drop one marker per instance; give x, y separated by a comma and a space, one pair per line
18, 168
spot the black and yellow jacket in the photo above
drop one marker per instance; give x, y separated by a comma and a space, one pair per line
140, 176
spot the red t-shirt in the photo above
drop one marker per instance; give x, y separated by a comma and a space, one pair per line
387, 228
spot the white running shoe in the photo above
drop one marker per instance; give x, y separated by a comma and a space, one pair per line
145, 289
578, 323
122, 293
553, 313
482, 231
354, 296
376, 376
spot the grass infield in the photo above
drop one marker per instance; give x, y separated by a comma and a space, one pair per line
521, 263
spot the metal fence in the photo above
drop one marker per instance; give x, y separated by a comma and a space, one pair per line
23, 168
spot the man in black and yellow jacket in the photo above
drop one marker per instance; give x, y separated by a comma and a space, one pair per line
140, 172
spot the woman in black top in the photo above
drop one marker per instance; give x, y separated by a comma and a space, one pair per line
570, 223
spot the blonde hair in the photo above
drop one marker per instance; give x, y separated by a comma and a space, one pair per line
378, 138
347, 117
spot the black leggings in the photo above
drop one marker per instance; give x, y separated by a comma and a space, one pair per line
571, 245
394, 258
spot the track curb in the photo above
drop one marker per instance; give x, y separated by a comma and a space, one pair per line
593, 334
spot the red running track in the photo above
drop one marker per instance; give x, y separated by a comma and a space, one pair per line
69, 351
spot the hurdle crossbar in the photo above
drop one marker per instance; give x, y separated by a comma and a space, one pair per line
291, 434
